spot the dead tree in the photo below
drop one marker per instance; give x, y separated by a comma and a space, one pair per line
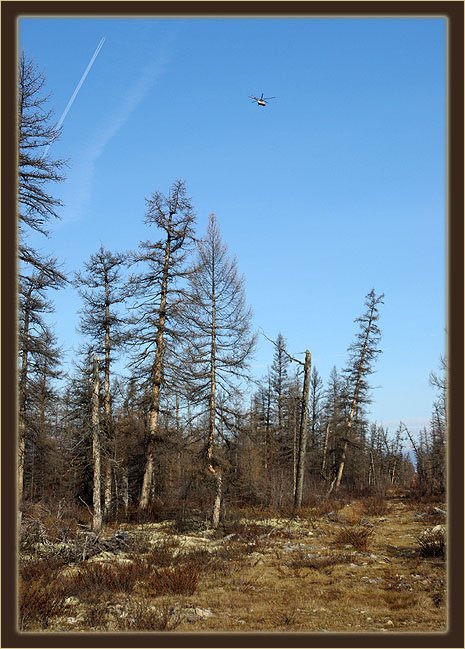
363, 352
302, 445
36, 170
218, 341
101, 291
35, 208
301, 442
97, 507
34, 333
157, 302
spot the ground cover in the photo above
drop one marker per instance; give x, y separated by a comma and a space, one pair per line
358, 566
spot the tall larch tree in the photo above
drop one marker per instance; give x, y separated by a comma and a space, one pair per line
219, 341
36, 169
33, 331
43, 396
362, 355
36, 207
157, 298
101, 289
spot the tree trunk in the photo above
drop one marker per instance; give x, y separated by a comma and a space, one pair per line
22, 400
302, 442
268, 447
107, 406
212, 467
97, 515
125, 489
372, 466
108, 487
21, 452
342, 463
325, 449
218, 497
157, 378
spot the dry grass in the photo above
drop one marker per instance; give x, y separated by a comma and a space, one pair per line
304, 560
291, 575
375, 505
161, 555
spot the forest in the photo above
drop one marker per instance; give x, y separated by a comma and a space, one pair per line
161, 425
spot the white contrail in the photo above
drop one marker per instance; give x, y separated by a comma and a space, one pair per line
78, 87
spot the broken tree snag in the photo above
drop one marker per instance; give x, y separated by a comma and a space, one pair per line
302, 441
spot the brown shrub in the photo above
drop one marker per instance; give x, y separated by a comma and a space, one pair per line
328, 505
200, 557
39, 600
375, 505
433, 542
139, 616
96, 615
104, 577
358, 537
286, 618
34, 569
179, 580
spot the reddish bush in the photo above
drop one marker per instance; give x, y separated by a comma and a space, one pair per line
39, 600
358, 537
179, 580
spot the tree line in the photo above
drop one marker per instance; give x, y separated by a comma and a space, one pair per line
187, 428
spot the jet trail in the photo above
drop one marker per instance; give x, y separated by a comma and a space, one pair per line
77, 89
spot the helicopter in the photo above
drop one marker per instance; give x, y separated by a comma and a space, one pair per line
261, 101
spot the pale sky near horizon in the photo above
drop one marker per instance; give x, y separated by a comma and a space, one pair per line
336, 187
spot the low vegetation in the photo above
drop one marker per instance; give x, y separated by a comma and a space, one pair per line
358, 537
314, 572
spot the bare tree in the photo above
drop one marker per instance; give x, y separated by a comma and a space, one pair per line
97, 511
219, 340
302, 445
430, 448
279, 381
315, 432
283, 415
438, 427
362, 354
334, 423
42, 396
36, 207
157, 302
100, 287
33, 332
36, 170
300, 440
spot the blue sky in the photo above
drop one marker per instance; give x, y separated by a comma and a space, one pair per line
334, 188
